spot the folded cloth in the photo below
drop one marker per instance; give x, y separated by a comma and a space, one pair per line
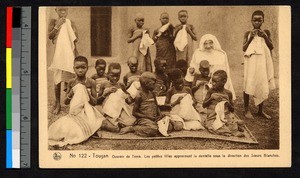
187, 125
114, 104
64, 50
181, 39
133, 89
185, 109
163, 125
82, 121
220, 115
255, 47
146, 42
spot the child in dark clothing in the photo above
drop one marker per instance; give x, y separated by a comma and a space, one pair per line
145, 109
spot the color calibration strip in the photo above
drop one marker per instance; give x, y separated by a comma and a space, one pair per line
18, 45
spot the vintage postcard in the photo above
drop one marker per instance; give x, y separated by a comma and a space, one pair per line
164, 86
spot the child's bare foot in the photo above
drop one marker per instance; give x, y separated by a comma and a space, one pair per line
126, 130
57, 108
248, 115
264, 115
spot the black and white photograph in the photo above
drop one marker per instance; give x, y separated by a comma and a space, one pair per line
170, 86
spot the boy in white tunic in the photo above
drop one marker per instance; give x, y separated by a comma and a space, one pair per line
258, 71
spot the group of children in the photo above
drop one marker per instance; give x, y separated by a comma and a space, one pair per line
145, 98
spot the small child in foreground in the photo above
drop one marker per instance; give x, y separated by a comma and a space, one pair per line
220, 111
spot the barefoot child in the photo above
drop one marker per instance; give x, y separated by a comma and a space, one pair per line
136, 35
179, 97
258, 70
184, 35
200, 86
83, 120
164, 39
63, 34
114, 98
145, 109
100, 77
218, 101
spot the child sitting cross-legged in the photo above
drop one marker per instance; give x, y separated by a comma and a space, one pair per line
115, 99
183, 115
221, 119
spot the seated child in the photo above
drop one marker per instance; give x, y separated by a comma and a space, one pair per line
162, 80
114, 98
200, 86
83, 120
183, 66
145, 109
220, 112
131, 79
179, 97
100, 77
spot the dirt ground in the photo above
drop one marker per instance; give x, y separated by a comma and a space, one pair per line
265, 131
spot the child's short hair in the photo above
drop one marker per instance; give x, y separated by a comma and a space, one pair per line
204, 64
114, 65
132, 59
183, 11
100, 62
145, 77
221, 73
175, 74
181, 63
81, 59
158, 60
164, 13
258, 12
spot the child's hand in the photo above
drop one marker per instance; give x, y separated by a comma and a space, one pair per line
188, 29
216, 97
70, 94
262, 34
59, 22
191, 70
110, 90
253, 33
230, 107
129, 99
179, 99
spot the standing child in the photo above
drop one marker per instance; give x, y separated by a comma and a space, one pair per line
184, 35
100, 77
164, 40
220, 117
200, 86
145, 109
258, 70
138, 36
114, 97
83, 120
63, 34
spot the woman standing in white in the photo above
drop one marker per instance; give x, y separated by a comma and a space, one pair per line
210, 50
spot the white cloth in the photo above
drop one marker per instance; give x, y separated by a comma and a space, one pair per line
163, 126
217, 59
187, 125
255, 47
220, 115
63, 58
164, 27
185, 109
133, 89
82, 121
181, 39
114, 104
146, 42
258, 71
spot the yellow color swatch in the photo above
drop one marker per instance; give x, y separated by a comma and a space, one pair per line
8, 67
